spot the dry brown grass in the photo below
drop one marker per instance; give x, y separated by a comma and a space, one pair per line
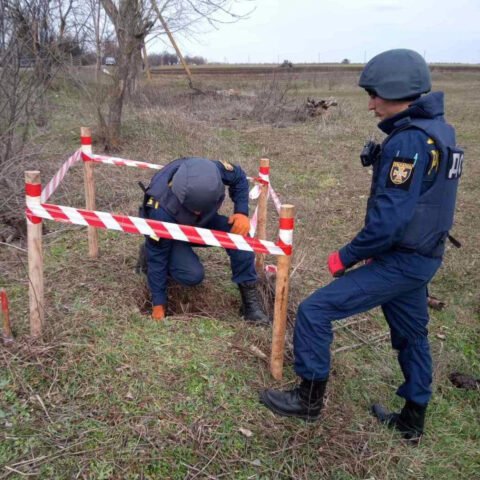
121, 397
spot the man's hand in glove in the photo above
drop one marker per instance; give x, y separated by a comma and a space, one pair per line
335, 265
241, 224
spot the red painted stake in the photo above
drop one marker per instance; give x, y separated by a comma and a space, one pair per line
7, 328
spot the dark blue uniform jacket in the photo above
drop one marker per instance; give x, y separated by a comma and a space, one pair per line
414, 185
170, 210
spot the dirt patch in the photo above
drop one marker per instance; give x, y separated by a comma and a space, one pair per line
464, 381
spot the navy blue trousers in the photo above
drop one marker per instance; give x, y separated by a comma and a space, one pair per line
396, 282
185, 267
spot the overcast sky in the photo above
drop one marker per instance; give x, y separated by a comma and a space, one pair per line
331, 30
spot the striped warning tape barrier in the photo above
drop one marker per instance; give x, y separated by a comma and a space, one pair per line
53, 184
171, 231
262, 179
253, 222
36, 211
276, 200
119, 162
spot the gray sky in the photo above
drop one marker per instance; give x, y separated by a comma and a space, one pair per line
331, 30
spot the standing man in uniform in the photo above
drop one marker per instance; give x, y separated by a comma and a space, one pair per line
190, 191
409, 213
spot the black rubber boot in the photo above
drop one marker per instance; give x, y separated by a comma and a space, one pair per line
409, 422
141, 266
251, 308
304, 401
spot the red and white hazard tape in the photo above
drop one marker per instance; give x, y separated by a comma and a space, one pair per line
285, 234
262, 179
255, 193
254, 222
36, 211
276, 200
119, 162
142, 226
53, 184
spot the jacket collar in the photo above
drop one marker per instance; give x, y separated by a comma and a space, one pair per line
427, 107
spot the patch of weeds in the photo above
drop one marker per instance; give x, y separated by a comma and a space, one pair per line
101, 470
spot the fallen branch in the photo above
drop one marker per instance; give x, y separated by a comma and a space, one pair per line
371, 341
348, 324
257, 352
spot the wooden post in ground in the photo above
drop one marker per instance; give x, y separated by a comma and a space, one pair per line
146, 63
33, 190
174, 43
281, 292
7, 328
90, 202
262, 213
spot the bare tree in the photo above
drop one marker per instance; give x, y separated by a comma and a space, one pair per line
97, 27
133, 20
32, 41
130, 19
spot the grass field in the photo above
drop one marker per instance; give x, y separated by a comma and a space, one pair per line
108, 394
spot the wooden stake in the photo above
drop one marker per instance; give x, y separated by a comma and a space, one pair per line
281, 303
90, 202
146, 63
174, 43
262, 219
35, 256
7, 328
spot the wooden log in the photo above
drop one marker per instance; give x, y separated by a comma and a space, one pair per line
281, 297
262, 219
89, 181
35, 257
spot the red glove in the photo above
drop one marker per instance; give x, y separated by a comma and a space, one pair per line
241, 224
335, 265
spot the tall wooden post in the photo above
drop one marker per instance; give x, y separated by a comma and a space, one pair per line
146, 63
174, 43
90, 202
281, 292
264, 174
33, 190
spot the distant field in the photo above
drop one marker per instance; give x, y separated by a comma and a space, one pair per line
263, 69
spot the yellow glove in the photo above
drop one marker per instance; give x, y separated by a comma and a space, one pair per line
158, 312
241, 224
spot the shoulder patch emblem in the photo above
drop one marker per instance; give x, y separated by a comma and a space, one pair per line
401, 173
228, 166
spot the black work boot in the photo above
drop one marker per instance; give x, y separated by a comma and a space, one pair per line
141, 266
409, 422
304, 401
251, 308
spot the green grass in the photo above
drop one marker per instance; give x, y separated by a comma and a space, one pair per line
110, 394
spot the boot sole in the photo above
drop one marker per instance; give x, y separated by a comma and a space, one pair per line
271, 407
258, 323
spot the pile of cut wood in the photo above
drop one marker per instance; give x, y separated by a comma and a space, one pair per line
316, 109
